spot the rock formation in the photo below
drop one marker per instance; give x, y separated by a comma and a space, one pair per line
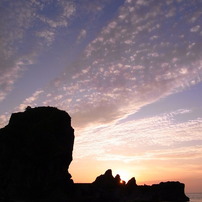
109, 188
35, 152
107, 181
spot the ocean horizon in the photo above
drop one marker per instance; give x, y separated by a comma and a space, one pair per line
195, 197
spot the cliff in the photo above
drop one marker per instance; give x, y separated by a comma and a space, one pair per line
35, 152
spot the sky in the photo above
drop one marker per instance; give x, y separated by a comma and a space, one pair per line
129, 73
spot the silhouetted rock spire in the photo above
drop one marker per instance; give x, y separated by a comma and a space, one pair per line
131, 182
107, 180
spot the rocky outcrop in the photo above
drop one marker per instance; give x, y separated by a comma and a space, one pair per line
109, 188
107, 181
35, 152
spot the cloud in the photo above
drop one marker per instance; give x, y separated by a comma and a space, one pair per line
63, 12
3, 120
61, 20
68, 8
49, 36
21, 20
15, 20
135, 60
195, 28
139, 57
82, 35
9, 76
154, 138
30, 101
92, 7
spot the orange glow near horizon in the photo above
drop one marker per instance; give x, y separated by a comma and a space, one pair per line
85, 171
124, 174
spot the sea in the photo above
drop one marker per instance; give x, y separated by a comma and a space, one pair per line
195, 197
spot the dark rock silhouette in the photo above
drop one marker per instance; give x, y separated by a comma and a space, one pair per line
131, 183
107, 180
35, 153
109, 188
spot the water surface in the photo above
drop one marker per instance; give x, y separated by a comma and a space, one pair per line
195, 197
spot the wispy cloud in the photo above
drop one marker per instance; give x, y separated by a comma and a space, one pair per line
67, 9
92, 6
18, 20
9, 74
15, 20
135, 60
153, 138
49, 36
195, 28
3, 120
82, 35
30, 101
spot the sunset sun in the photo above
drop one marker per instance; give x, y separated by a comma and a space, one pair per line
124, 175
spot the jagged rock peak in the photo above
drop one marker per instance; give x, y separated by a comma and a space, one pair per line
131, 182
107, 180
108, 172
